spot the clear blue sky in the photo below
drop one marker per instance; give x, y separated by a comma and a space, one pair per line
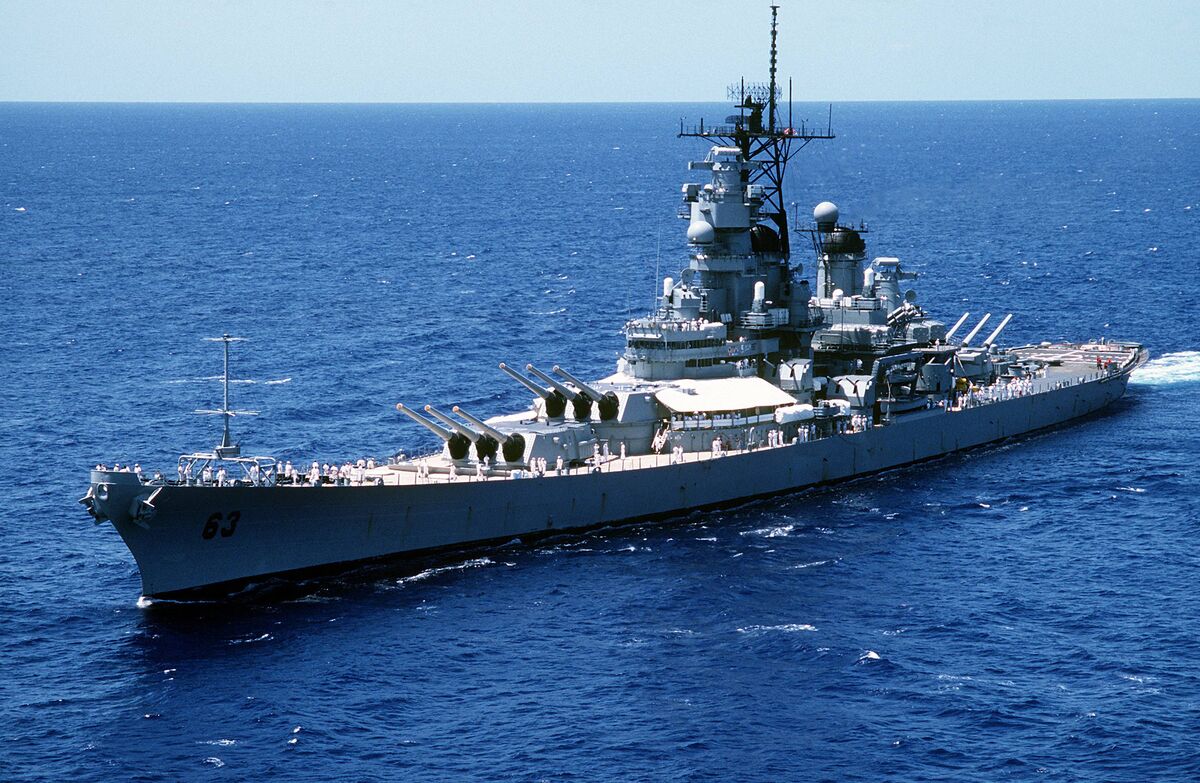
563, 50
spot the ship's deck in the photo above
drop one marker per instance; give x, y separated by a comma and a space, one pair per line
1070, 359
612, 464
1064, 365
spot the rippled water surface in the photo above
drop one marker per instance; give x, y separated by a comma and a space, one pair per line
1025, 611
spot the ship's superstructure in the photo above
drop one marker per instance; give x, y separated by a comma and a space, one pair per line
747, 379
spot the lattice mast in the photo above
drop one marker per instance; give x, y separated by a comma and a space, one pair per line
771, 142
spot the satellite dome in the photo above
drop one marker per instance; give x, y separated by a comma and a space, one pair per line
825, 215
701, 232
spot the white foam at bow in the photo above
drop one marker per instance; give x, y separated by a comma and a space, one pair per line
1180, 367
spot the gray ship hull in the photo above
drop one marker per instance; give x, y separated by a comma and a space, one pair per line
261, 531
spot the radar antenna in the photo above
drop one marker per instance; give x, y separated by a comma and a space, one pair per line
227, 448
766, 142
774, 34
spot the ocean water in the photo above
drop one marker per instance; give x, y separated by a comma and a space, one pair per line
1026, 611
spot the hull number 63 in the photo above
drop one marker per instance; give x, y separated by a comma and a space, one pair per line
213, 525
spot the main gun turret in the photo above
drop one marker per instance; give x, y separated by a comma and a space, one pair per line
457, 444
485, 444
555, 402
512, 445
606, 403
581, 402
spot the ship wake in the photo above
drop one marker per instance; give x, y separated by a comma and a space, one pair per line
478, 562
1170, 368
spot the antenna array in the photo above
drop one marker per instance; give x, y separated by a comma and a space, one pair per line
227, 448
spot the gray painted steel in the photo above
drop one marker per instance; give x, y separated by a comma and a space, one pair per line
288, 528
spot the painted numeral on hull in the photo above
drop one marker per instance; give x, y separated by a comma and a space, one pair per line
213, 525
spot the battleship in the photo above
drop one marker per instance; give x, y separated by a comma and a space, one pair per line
747, 380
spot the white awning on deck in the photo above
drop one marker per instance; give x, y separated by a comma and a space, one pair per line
723, 395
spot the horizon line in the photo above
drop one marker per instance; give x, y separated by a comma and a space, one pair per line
205, 102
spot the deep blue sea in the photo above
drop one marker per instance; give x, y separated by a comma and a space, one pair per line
1028, 611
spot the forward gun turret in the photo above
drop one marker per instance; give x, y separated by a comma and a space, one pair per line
555, 401
457, 444
485, 444
581, 401
512, 445
606, 403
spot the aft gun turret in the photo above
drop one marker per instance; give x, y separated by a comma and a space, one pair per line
581, 403
606, 403
971, 335
555, 401
458, 445
512, 445
991, 340
957, 325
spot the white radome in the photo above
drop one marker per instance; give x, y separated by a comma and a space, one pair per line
701, 232
825, 212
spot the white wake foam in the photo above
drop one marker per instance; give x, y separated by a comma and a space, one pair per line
813, 564
478, 562
786, 628
244, 381
770, 532
1180, 367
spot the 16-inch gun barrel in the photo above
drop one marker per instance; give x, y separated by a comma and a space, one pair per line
441, 432
957, 325
521, 379
581, 401
992, 337
556, 384
583, 387
483, 427
457, 444
485, 445
971, 336
606, 402
466, 432
555, 401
